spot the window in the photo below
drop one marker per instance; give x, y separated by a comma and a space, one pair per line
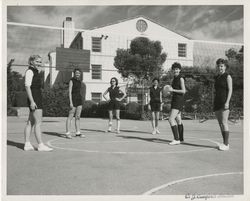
182, 50
96, 72
96, 97
96, 44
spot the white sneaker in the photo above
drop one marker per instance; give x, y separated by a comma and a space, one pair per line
154, 132
109, 130
28, 147
68, 135
157, 131
224, 147
44, 148
175, 142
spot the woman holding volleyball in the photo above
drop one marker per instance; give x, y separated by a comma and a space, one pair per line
223, 92
155, 104
178, 90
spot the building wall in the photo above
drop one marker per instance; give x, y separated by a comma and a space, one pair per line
119, 36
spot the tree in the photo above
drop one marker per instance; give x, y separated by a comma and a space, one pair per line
15, 82
144, 59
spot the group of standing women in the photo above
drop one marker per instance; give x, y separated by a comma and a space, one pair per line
223, 92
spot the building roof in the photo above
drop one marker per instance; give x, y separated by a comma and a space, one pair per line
140, 16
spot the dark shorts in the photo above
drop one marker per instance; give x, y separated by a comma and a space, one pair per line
155, 106
37, 97
177, 103
218, 105
114, 105
77, 100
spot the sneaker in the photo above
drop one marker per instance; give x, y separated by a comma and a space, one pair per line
154, 132
82, 136
109, 130
78, 134
28, 147
157, 131
68, 135
175, 142
118, 132
224, 147
44, 148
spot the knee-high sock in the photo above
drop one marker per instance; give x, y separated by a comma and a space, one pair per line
175, 132
226, 137
181, 130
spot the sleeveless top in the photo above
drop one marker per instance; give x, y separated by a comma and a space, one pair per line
36, 83
176, 84
221, 87
76, 88
113, 92
155, 94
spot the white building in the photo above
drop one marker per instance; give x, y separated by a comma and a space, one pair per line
104, 41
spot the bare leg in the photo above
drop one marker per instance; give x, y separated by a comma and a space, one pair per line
117, 114
28, 127
153, 121
78, 118
38, 113
110, 120
69, 119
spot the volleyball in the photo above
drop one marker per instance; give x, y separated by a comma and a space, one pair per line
166, 90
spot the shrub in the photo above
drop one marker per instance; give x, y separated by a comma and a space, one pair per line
56, 101
20, 99
102, 109
89, 109
133, 111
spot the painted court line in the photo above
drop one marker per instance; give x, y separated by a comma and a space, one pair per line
154, 190
51, 144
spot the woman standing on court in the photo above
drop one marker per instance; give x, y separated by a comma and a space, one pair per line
223, 92
178, 90
75, 103
115, 96
155, 104
33, 85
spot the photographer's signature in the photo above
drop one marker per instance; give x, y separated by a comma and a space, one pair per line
205, 196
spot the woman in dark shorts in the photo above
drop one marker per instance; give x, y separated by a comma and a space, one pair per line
75, 100
33, 85
115, 96
178, 90
155, 104
223, 92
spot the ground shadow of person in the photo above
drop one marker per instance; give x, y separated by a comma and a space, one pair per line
15, 144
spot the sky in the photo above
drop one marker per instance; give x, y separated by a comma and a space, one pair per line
213, 23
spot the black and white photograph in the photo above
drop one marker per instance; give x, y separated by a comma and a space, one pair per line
124, 100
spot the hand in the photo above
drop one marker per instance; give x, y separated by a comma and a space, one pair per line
161, 106
33, 106
71, 106
149, 107
171, 89
117, 99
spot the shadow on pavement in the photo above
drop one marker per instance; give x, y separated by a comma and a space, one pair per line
15, 144
54, 134
157, 140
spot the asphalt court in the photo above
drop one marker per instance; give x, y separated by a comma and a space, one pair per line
135, 162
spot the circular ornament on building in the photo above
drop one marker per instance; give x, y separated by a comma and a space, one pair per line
141, 25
